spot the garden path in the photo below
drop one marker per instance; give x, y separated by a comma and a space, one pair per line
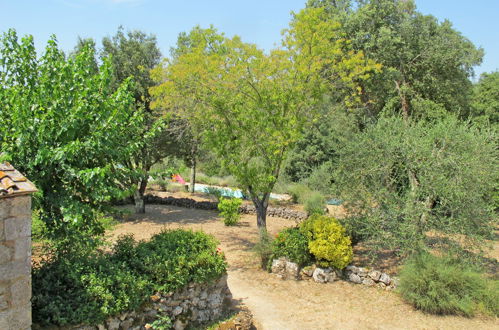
278, 304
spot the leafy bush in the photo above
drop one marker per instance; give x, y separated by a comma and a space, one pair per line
229, 210
405, 179
298, 192
440, 285
292, 244
327, 241
90, 286
315, 203
264, 248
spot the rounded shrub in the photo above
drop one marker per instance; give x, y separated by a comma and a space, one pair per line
229, 210
441, 285
314, 203
327, 241
292, 244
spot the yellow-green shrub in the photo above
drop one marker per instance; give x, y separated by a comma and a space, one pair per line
328, 241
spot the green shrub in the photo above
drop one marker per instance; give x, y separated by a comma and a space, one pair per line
264, 248
298, 192
441, 285
314, 203
327, 241
292, 244
90, 286
229, 210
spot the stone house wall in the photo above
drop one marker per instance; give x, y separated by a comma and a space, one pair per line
15, 262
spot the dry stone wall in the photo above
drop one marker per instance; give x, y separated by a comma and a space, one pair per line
287, 270
188, 307
15, 262
281, 212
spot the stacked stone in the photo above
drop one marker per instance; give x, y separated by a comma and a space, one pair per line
284, 269
277, 212
189, 307
15, 262
360, 275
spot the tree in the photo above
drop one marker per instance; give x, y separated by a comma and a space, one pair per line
133, 55
66, 129
81, 45
402, 181
426, 64
256, 105
485, 104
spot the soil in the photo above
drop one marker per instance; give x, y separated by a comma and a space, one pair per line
278, 304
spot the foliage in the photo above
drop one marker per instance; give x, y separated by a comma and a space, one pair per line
134, 54
485, 102
65, 128
441, 285
315, 203
163, 322
292, 244
422, 58
256, 104
263, 248
89, 286
327, 241
298, 192
402, 180
229, 210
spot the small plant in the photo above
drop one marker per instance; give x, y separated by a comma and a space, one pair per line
163, 322
442, 285
327, 241
229, 210
264, 248
314, 203
292, 244
217, 193
298, 192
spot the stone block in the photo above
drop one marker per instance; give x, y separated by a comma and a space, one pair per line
12, 270
367, 281
375, 275
22, 249
292, 270
6, 253
354, 278
16, 318
5, 206
323, 275
20, 206
20, 291
17, 227
278, 266
385, 278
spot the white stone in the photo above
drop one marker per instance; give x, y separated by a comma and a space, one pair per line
352, 268
354, 278
385, 278
177, 311
375, 275
323, 275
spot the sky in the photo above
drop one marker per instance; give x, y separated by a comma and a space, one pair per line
257, 21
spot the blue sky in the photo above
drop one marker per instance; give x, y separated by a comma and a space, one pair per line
257, 21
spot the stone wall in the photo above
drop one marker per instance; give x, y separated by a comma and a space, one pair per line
287, 270
188, 307
15, 262
281, 212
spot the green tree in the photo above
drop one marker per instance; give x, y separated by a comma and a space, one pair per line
426, 63
81, 45
255, 104
66, 129
404, 180
485, 104
134, 54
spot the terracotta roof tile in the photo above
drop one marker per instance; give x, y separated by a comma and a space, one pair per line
13, 183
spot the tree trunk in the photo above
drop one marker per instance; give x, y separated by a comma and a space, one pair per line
138, 196
261, 211
192, 180
403, 101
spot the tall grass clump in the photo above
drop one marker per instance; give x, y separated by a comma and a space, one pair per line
442, 285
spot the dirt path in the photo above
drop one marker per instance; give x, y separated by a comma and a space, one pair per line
278, 304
